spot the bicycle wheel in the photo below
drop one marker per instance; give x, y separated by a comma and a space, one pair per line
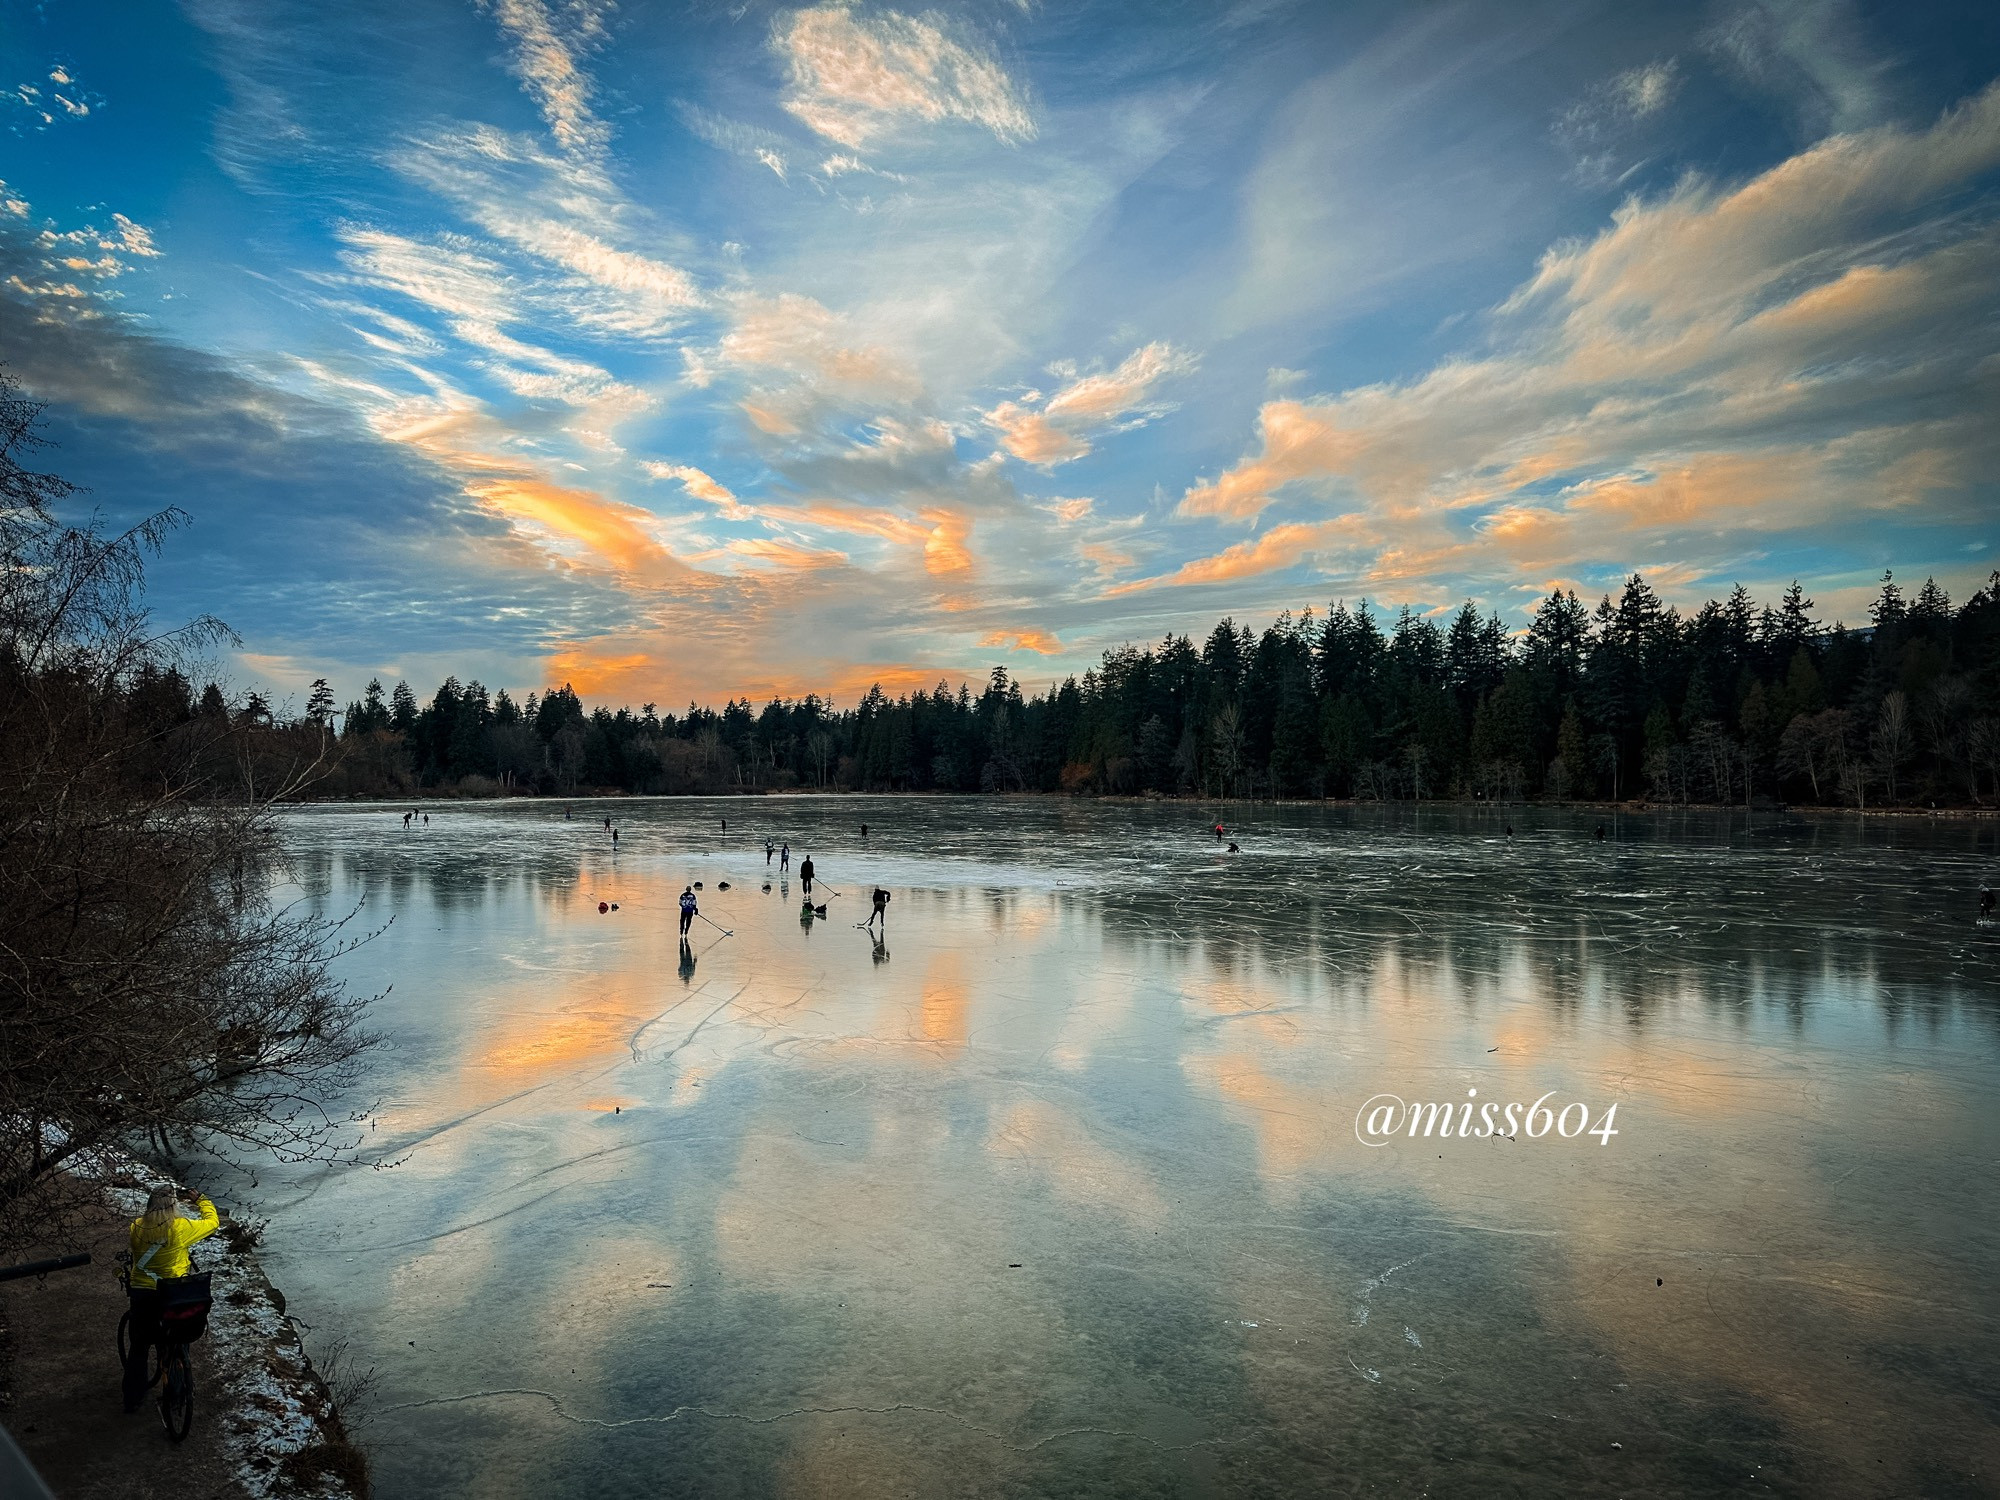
177, 1393
125, 1351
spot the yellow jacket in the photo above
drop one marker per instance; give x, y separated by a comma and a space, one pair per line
162, 1252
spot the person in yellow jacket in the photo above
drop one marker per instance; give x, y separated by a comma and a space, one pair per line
160, 1238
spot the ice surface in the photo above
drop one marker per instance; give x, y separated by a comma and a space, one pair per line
1057, 1188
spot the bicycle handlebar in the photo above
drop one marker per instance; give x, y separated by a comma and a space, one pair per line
43, 1267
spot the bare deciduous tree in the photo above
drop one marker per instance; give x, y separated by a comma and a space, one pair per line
1893, 742
1982, 746
153, 997
1225, 743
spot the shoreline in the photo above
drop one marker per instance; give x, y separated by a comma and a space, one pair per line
264, 1415
1804, 809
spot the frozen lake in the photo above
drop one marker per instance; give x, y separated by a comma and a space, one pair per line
1063, 1187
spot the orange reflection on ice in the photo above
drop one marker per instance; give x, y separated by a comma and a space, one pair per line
942, 1009
1057, 1147
1296, 1126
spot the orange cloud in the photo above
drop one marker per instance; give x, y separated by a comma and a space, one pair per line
853, 683
832, 517
1032, 438
1859, 295
802, 337
1300, 442
945, 551
613, 531
944, 535
1057, 432
1701, 320
785, 555
849, 76
767, 421
1104, 558
1702, 489
460, 436
599, 675
654, 668
1023, 640
1279, 547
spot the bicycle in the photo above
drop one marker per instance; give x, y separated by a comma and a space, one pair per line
184, 1305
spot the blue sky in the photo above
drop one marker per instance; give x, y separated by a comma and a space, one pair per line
702, 350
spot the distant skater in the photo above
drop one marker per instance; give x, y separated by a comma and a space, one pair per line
1218, 831
1600, 833
689, 910
406, 820
881, 911
1985, 899
607, 822
1510, 830
614, 838
806, 876
427, 820
769, 850
864, 830
784, 859
568, 815
725, 825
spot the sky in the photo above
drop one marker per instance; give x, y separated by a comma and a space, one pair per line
684, 352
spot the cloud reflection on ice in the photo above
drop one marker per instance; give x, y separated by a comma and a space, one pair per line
1066, 1190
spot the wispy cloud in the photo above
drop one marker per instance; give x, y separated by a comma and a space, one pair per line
701, 486
796, 336
752, 142
640, 408
1810, 54
1747, 358
1056, 429
561, 215
477, 300
548, 41
852, 78
1038, 641
1598, 129
1277, 548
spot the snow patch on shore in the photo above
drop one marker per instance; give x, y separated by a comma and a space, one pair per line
273, 1404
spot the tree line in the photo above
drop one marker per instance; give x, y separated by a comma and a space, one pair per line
1735, 702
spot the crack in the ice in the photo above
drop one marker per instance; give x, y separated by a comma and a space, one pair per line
638, 1054
679, 1412
688, 1040
443, 1234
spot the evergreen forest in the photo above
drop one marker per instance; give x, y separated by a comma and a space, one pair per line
1739, 703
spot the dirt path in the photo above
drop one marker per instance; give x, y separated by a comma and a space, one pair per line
63, 1405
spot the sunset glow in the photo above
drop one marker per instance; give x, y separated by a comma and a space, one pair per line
690, 355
